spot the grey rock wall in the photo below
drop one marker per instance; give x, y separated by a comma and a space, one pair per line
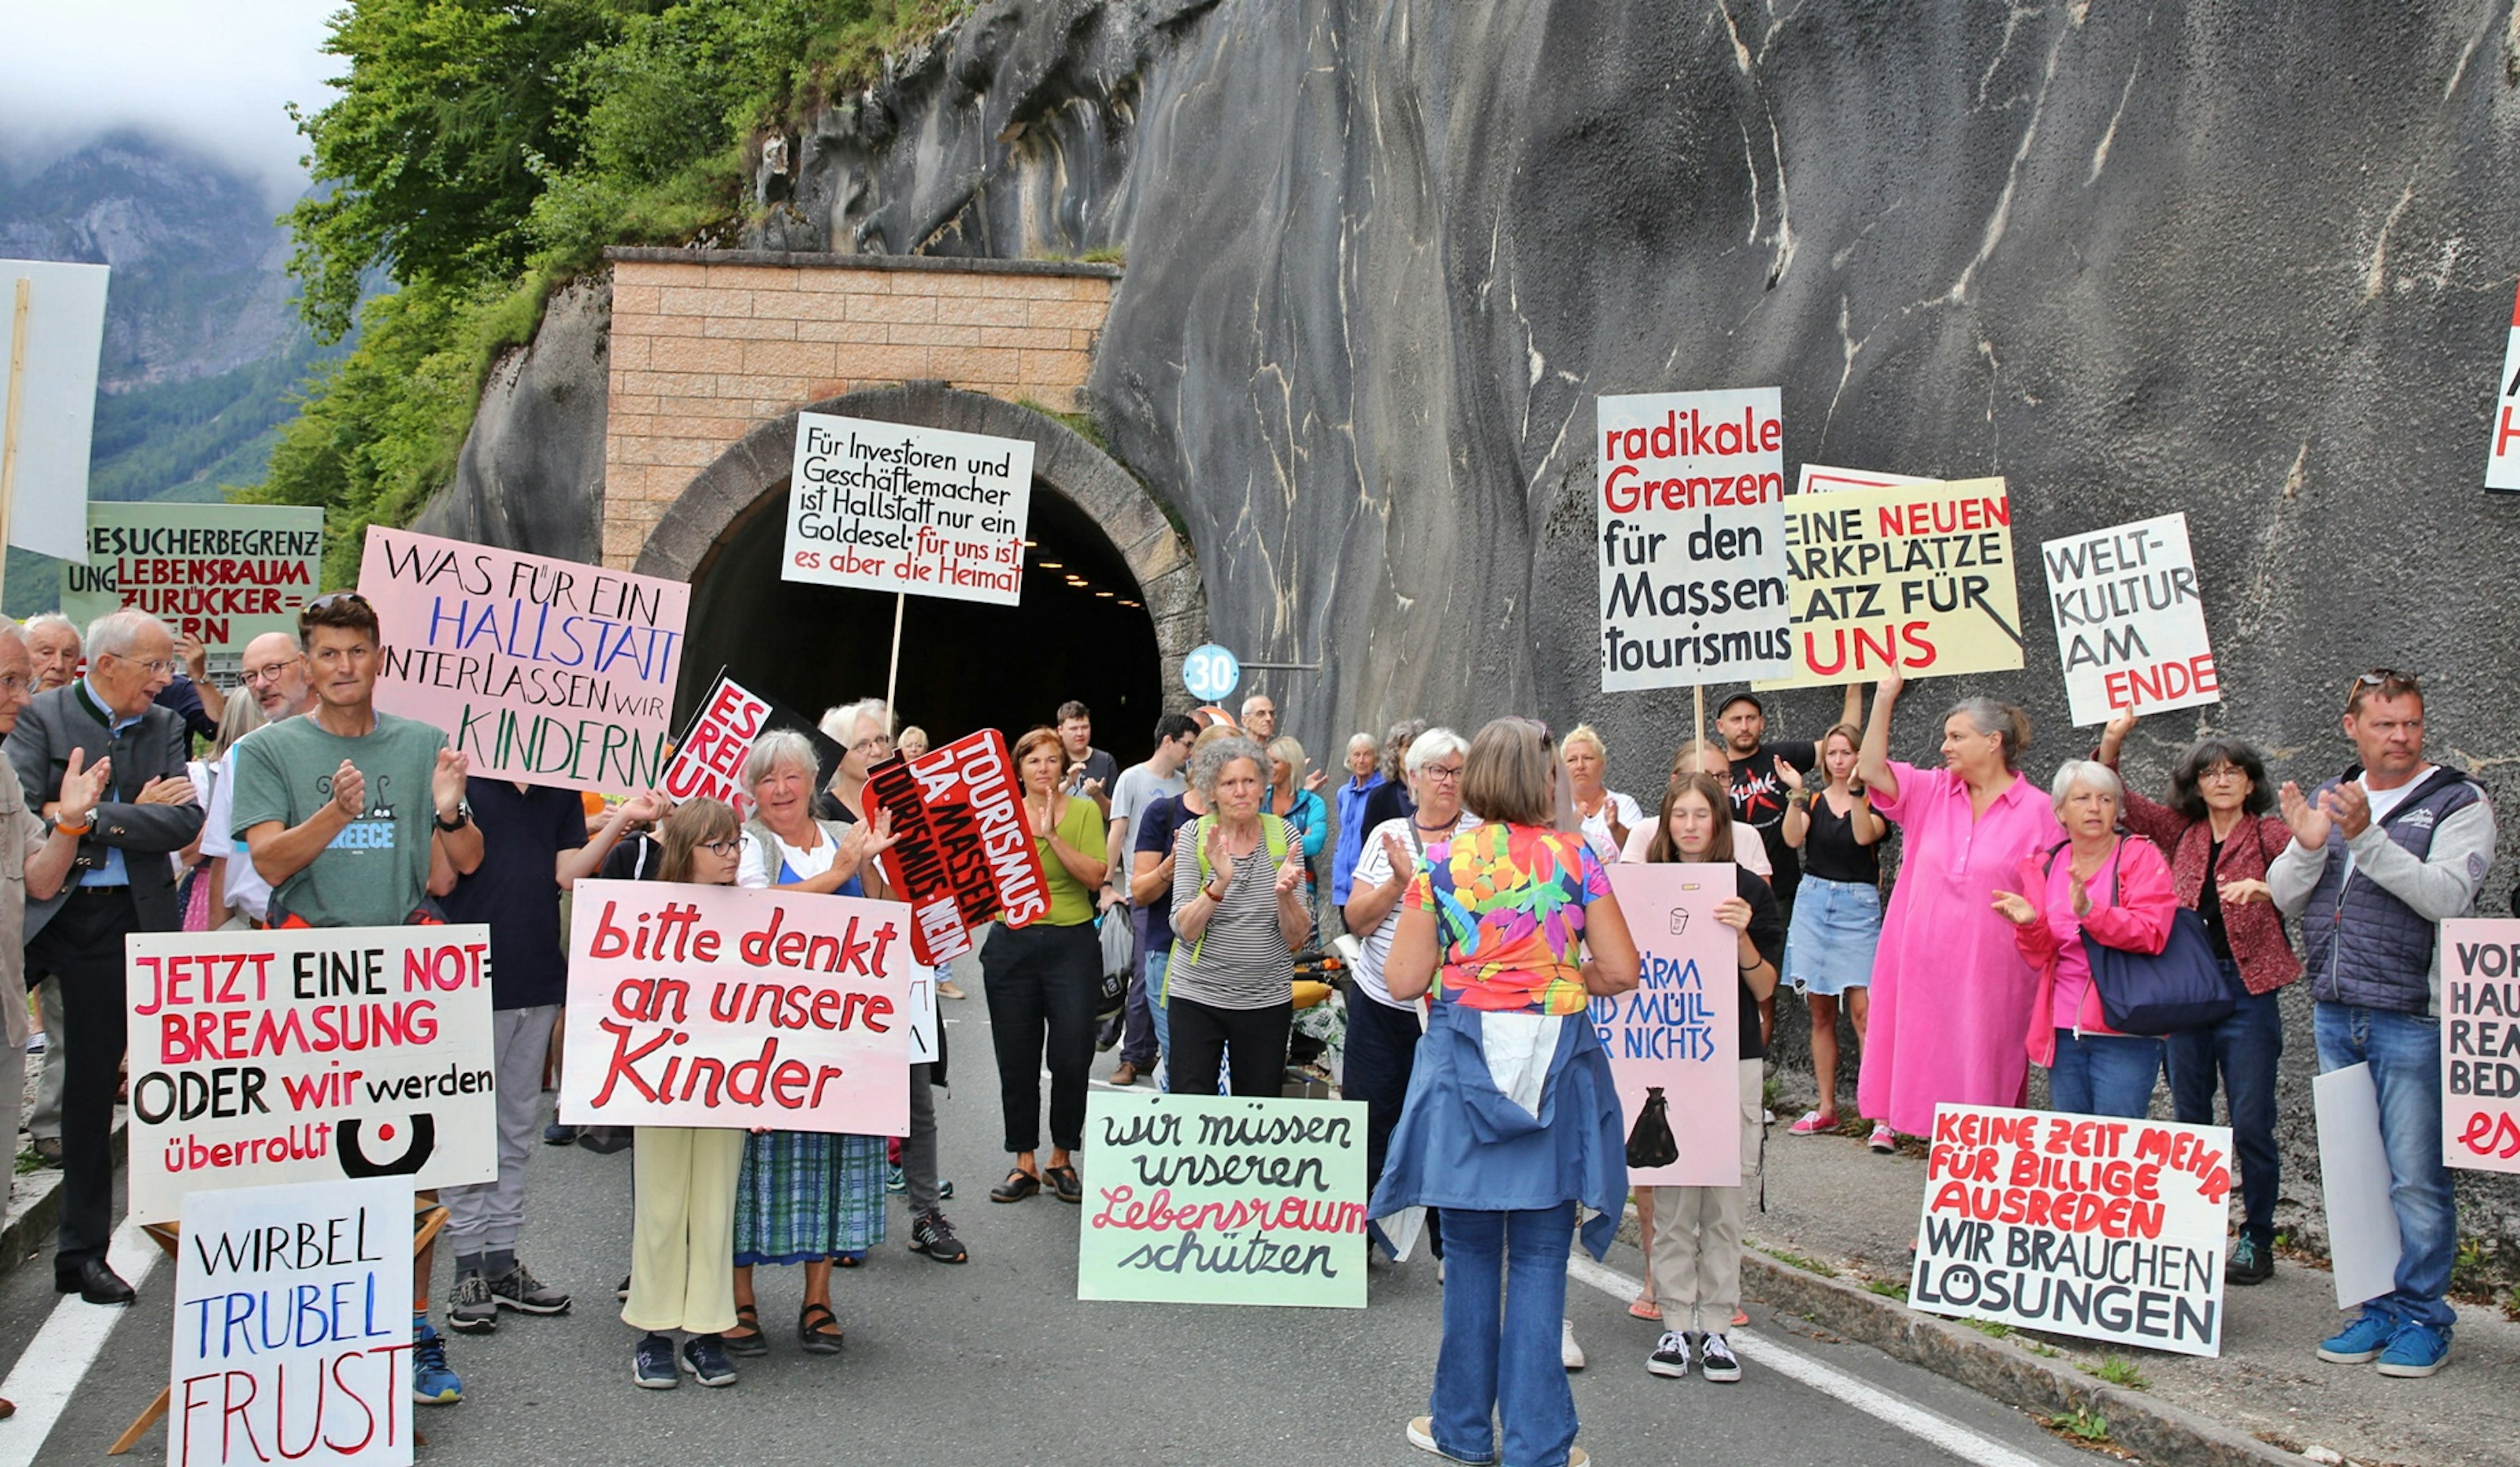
531, 473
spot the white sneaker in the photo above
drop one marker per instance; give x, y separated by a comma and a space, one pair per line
1669, 1356
1718, 1362
1570, 1354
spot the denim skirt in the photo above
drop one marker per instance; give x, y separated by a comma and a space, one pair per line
1829, 948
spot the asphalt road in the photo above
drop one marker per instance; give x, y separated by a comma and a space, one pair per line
996, 1361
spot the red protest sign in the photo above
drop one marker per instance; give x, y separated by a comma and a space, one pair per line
710, 763
964, 854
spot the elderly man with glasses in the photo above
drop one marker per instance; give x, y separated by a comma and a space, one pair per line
123, 884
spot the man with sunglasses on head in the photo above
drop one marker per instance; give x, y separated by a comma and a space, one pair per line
357, 818
123, 883
2380, 858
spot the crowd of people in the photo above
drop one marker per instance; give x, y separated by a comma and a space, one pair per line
1462, 879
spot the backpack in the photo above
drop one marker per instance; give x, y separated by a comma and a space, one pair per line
1273, 834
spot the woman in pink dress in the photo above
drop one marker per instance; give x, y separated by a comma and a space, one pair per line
1950, 993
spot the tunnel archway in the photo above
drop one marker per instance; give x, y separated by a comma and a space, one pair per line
1115, 641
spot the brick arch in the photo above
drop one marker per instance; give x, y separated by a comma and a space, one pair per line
752, 477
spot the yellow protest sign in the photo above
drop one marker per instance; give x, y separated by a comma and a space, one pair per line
1913, 575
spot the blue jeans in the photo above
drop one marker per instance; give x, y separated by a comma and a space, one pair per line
2239, 1054
1505, 1294
2104, 1075
1137, 1043
1157, 963
2403, 1051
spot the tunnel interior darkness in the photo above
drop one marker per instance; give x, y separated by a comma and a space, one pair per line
965, 665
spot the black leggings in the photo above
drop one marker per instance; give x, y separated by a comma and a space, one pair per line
1203, 1034
1042, 982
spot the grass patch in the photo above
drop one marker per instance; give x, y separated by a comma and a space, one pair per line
1793, 1260
2118, 1370
1993, 1329
1888, 1288
2049, 1351
2080, 1425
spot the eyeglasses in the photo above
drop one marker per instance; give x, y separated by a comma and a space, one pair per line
13, 685
721, 848
155, 667
256, 676
1450, 774
870, 743
2221, 772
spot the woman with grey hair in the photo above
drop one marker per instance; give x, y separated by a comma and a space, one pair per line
1952, 996
1238, 911
2100, 888
1364, 777
864, 731
1391, 801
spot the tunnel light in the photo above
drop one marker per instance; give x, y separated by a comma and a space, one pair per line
1032, 544
1103, 594
1052, 564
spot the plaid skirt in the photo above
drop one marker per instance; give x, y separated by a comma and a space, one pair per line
804, 1196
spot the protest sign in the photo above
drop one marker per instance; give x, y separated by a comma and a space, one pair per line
223, 572
1208, 1199
709, 758
293, 1326
57, 324
2129, 623
1690, 517
1676, 1034
962, 851
2502, 464
892, 507
2480, 1030
550, 671
729, 1006
2111, 1230
2362, 1241
308, 1054
1916, 576
1818, 479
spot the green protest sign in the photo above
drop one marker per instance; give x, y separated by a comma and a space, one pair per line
1217, 1200
223, 572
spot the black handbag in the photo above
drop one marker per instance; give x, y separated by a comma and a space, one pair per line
1651, 1143
2178, 988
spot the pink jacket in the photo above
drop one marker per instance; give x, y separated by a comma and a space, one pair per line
2138, 922
2256, 929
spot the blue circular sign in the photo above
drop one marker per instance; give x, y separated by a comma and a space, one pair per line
1210, 673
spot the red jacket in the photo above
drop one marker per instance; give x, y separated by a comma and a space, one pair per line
2256, 929
2138, 922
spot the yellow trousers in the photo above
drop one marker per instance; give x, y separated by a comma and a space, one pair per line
682, 1241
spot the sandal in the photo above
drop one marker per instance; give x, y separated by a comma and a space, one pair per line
1018, 1185
1646, 1306
1064, 1182
750, 1343
848, 1257
811, 1334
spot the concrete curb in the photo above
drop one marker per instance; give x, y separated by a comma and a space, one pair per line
34, 1209
2151, 1429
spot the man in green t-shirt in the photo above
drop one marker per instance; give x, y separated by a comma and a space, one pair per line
356, 818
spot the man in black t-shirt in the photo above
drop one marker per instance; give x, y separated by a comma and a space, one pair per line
1759, 794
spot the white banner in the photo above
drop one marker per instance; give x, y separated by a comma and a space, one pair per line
2502, 464
890, 507
2130, 622
57, 410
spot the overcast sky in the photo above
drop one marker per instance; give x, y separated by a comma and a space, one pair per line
214, 74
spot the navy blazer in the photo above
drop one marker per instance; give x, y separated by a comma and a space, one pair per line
155, 748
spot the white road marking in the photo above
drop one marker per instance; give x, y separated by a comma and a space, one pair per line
1968, 1446
58, 1358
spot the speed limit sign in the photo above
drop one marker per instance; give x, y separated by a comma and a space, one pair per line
1210, 673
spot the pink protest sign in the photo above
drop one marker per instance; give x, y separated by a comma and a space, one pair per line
2480, 1034
724, 1006
550, 671
1676, 1036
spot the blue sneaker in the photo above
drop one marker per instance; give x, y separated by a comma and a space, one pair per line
895, 1180
2358, 1342
431, 1382
2416, 1350
652, 1365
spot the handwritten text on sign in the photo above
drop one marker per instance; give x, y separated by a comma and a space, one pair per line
963, 852
544, 670
1676, 1031
723, 1006
1212, 1199
1691, 529
292, 1330
2086, 1225
223, 572
2129, 623
2480, 1030
889, 507
307, 1055
1916, 576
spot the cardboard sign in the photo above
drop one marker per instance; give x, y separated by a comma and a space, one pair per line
2480, 1030
2129, 622
2502, 464
550, 671
1206, 1199
293, 1326
56, 401
726, 1006
962, 853
1678, 1033
308, 1054
225, 573
709, 758
892, 507
2088, 1225
1690, 520
1914, 576
2363, 1240
1819, 479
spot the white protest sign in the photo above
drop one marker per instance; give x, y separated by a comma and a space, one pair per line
293, 1326
2503, 464
1691, 522
2363, 1241
1819, 479
56, 404
892, 507
305, 1054
2129, 623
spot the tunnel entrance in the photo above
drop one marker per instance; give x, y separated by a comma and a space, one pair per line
1111, 594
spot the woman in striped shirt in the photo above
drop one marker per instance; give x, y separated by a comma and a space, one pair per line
1238, 909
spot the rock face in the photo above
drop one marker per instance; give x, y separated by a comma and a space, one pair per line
532, 476
1380, 259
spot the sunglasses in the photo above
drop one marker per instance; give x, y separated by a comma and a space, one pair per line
336, 598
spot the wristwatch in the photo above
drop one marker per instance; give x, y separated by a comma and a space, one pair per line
463, 817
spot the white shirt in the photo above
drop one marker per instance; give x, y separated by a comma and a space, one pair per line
247, 891
2385, 800
1749, 852
755, 868
1372, 869
1617, 807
